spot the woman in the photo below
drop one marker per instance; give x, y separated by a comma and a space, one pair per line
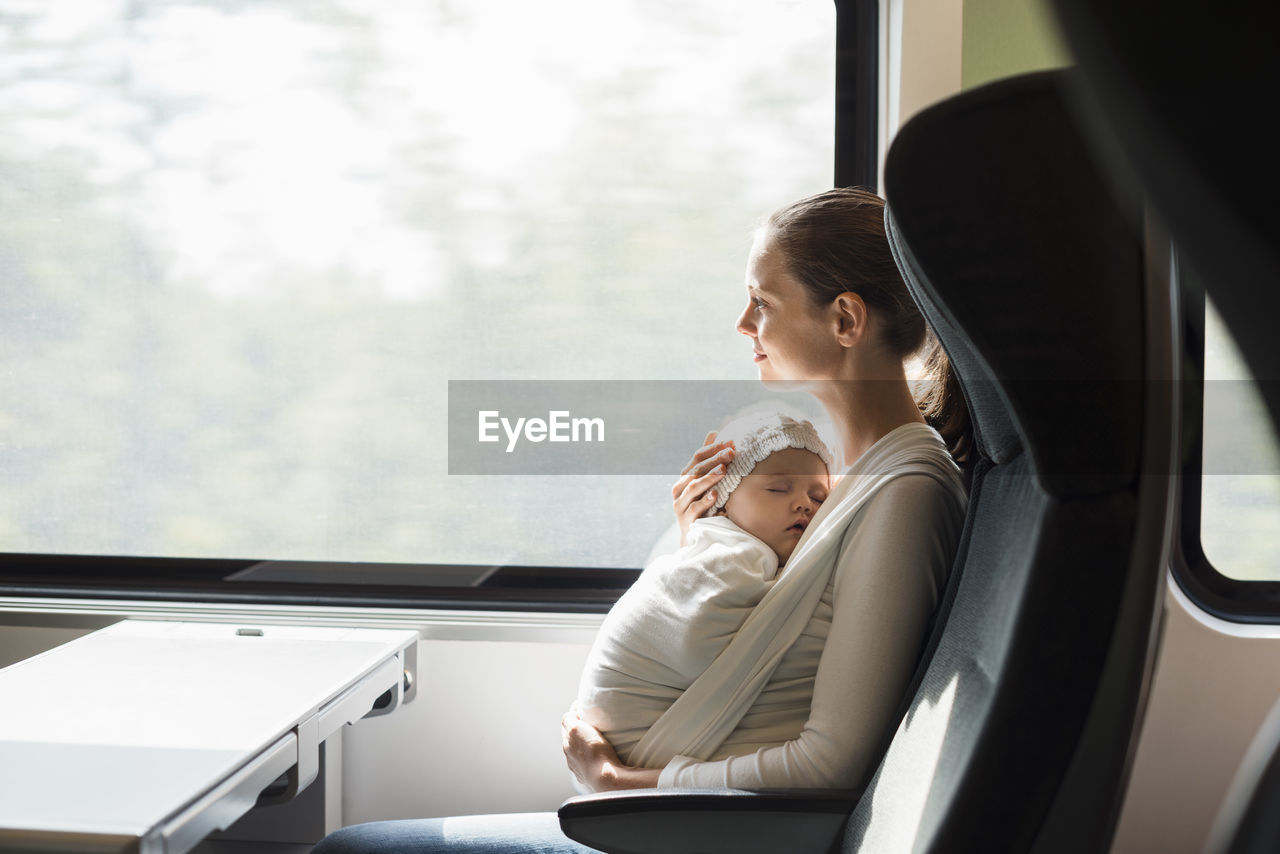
827, 312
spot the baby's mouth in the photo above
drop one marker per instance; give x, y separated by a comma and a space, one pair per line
799, 526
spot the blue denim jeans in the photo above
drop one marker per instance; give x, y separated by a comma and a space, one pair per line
524, 833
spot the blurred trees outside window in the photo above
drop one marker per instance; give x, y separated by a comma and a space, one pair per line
245, 245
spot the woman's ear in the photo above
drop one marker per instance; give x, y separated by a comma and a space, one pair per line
850, 318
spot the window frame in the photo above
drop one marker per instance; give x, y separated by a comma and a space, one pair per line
507, 588
1234, 600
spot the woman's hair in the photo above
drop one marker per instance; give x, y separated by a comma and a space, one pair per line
835, 242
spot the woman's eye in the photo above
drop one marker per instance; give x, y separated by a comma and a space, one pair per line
757, 302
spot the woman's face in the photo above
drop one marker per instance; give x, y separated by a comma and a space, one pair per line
793, 339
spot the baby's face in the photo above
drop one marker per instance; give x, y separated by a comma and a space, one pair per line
777, 500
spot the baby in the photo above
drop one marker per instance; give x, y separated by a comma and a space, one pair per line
685, 607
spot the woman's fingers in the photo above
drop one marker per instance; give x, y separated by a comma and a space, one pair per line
691, 495
702, 466
709, 449
571, 744
586, 750
578, 735
701, 458
695, 487
570, 734
566, 729
695, 497
699, 489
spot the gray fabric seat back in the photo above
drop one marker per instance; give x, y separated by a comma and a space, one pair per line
1031, 273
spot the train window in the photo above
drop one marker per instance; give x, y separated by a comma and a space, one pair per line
253, 254
1240, 480
1231, 486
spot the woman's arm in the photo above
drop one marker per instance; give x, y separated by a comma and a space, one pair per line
887, 581
593, 761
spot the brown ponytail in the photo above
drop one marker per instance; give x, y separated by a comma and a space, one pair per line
942, 402
834, 242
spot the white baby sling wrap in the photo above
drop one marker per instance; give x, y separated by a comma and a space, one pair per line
704, 715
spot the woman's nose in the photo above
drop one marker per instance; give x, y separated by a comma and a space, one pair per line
745, 324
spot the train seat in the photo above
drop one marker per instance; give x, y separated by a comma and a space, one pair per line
1176, 104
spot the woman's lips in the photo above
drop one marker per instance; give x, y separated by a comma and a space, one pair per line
759, 357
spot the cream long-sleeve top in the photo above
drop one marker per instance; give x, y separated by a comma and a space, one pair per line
825, 710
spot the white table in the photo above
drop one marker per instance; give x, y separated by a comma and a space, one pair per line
148, 735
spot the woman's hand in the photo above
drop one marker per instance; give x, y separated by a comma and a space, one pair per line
691, 496
595, 763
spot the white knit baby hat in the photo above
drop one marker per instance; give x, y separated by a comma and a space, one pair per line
756, 436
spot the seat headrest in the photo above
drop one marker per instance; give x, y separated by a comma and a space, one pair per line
1175, 99
1027, 266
